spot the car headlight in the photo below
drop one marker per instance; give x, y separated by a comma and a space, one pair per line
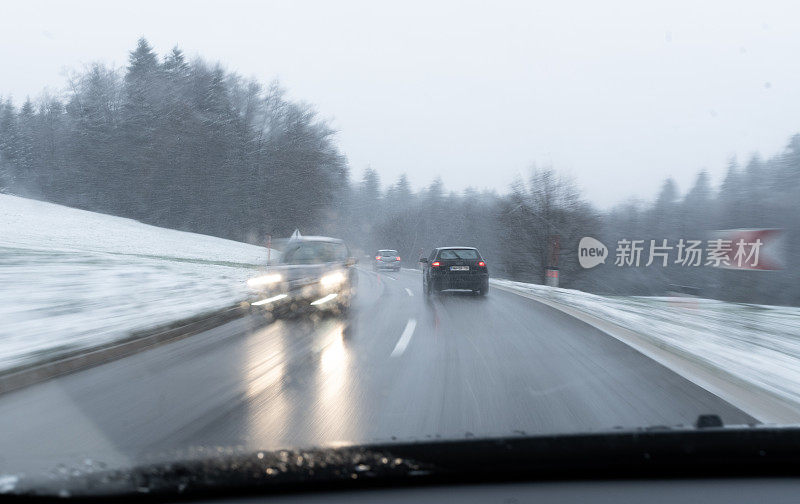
264, 280
333, 279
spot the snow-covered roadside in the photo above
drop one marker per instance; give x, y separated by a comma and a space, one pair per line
72, 279
756, 343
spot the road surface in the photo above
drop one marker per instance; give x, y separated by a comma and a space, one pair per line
402, 367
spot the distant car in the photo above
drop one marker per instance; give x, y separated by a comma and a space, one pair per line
313, 272
455, 268
386, 259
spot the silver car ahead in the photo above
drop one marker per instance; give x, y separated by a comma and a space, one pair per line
386, 259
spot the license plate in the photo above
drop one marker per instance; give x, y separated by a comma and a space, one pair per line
459, 268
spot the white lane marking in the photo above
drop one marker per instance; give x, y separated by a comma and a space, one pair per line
405, 338
409, 291
393, 278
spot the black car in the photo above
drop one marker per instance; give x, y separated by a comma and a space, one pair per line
455, 268
387, 259
313, 272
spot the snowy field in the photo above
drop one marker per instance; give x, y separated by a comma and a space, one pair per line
72, 279
759, 344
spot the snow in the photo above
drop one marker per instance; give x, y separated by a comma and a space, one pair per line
74, 279
759, 344
8, 482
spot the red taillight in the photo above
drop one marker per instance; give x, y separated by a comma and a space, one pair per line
398, 258
377, 258
481, 264
435, 264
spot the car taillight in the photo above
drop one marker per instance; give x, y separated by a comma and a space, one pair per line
398, 258
435, 264
377, 258
481, 264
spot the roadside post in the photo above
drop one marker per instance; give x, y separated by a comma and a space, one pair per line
551, 273
552, 277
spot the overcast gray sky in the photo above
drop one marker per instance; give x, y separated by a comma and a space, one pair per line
618, 94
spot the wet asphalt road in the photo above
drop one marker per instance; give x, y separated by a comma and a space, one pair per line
401, 366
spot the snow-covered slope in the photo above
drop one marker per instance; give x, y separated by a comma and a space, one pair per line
72, 279
759, 344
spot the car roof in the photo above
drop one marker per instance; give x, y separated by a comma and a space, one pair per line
387, 250
457, 248
315, 238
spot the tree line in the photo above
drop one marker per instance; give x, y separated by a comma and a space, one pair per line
179, 144
187, 145
763, 193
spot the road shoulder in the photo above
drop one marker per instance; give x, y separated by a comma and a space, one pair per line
757, 401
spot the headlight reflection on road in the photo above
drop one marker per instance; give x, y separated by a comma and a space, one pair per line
337, 397
265, 368
334, 355
264, 280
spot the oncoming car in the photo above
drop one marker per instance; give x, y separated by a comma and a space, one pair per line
455, 268
313, 272
387, 259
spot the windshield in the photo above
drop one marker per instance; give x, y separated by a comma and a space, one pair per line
595, 209
314, 253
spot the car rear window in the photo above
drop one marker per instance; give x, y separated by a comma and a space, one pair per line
458, 254
385, 253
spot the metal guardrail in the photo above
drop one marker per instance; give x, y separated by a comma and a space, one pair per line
79, 360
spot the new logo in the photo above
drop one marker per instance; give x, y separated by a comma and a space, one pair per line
591, 252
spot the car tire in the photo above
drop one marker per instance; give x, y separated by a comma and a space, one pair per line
483, 290
426, 287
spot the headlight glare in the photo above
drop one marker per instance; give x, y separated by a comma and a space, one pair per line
264, 280
332, 279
